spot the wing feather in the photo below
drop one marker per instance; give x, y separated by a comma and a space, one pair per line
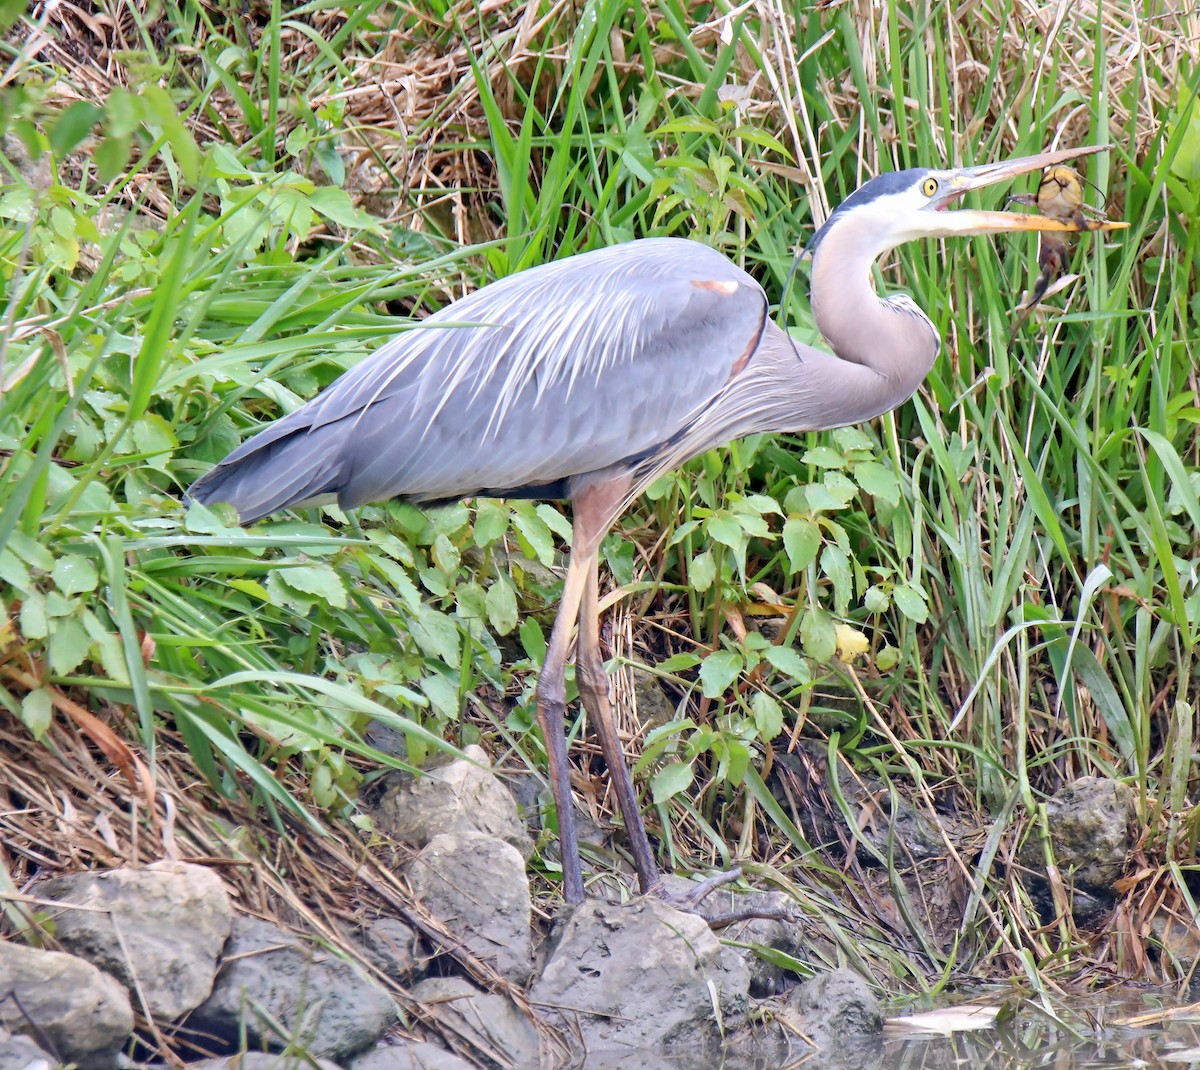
554, 372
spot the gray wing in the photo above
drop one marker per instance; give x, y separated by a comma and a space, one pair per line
564, 369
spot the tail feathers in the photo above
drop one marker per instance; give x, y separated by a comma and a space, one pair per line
259, 479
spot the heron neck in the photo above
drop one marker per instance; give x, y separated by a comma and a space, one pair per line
892, 338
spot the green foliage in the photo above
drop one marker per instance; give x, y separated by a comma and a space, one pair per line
999, 579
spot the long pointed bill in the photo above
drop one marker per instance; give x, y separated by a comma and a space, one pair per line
976, 221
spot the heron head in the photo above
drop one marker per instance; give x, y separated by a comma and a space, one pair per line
905, 205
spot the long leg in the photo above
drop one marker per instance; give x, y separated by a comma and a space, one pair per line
593, 514
552, 712
593, 690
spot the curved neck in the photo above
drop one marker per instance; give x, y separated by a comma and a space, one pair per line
892, 338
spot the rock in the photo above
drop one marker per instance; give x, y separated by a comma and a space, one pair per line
320, 1001
483, 1019
833, 1006
766, 978
640, 975
476, 886
410, 1055
393, 948
1090, 822
1177, 939
654, 706
261, 1060
158, 929
82, 1011
460, 796
21, 1053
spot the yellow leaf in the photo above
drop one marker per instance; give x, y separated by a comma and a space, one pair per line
850, 642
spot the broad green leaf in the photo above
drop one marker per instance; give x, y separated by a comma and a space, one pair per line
37, 710
801, 541
818, 635
323, 581
670, 780
911, 602
679, 662
789, 661
768, 716
75, 574
436, 634
502, 606
878, 481
533, 532
35, 622
13, 571
718, 672
491, 522
835, 563
703, 571
823, 457
68, 646
725, 529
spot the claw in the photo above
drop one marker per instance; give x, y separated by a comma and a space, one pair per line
690, 901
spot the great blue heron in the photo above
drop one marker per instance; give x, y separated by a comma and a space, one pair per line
588, 377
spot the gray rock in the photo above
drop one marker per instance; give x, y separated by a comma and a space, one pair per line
82, 1011
393, 948
490, 1023
158, 929
766, 978
261, 1060
460, 796
321, 1002
1090, 822
641, 975
654, 706
833, 1006
21, 1053
476, 886
410, 1055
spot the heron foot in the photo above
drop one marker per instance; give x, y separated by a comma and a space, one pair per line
691, 900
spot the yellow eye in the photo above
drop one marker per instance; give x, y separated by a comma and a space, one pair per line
929, 187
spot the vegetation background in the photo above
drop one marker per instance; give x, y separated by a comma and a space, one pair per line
209, 210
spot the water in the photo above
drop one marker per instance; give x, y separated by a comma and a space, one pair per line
1147, 1030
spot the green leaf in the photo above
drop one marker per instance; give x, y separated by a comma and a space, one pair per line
335, 204
835, 563
679, 662
533, 533
824, 457
73, 125
801, 540
75, 575
818, 634
491, 522
37, 710
724, 528
718, 671
768, 716
68, 646
789, 661
911, 602
35, 621
878, 481
323, 581
876, 600
502, 606
533, 640
13, 571
670, 780
702, 571
436, 634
